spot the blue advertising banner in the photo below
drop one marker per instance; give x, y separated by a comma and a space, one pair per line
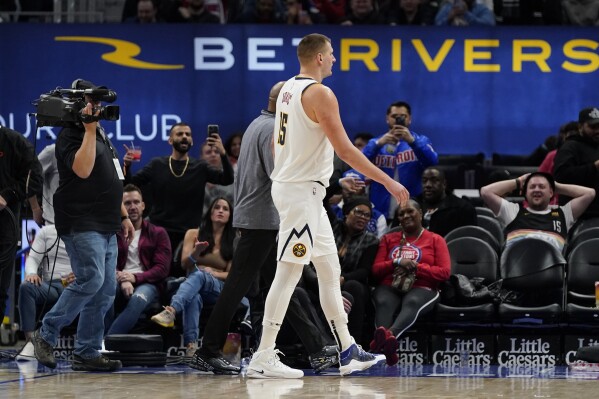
497, 89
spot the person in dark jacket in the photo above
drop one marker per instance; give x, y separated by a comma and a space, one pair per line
443, 212
577, 160
18, 165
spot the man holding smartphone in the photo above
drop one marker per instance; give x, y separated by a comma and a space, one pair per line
175, 184
401, 153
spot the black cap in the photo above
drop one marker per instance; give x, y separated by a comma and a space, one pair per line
589, 115
354, 202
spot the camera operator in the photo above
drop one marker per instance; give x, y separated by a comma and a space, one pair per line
88, 214
20, 178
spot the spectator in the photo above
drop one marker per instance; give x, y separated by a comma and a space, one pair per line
547, 165
333, 11
142, 266
146, 13
361, 139
206, 256
580, 12
232, 147
47, 159
577, 160
300, 12
262, 12
363, 12
413, 248
538, 219
402, 154
443, 211
20, 179
49, 255
410, 12
377, 224
210, 155
175, 184
196, 11
464, 13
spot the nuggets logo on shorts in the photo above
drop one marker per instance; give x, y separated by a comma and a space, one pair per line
299, 250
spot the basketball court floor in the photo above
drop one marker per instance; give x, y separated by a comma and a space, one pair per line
31, 380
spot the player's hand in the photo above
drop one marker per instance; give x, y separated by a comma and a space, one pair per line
398, 191
2, 203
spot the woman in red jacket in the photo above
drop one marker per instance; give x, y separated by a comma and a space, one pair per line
414, 248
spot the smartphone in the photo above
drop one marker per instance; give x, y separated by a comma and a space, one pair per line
400, 120
212, 129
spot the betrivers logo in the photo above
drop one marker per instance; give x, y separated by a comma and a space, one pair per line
124, 52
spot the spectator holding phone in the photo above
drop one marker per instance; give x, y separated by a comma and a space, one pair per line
402, 153
176, 183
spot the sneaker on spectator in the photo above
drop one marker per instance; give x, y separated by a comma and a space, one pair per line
166, 318
325, 358
44, 352
266, 364
218, 365
27, 353
100, 363
355, 358
378, 341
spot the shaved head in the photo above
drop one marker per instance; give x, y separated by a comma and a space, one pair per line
273, 94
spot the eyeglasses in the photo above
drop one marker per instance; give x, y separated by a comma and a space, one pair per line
362, 214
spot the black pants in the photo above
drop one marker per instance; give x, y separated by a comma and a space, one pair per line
256, 248
251, 275
8, 247
176, 238
397, 311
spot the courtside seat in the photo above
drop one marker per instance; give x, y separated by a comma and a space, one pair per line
471, 257
535, 269
474, 231
583, 271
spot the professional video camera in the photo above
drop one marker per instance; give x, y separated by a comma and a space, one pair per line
62, 107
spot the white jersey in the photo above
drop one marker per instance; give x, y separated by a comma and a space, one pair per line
303, 152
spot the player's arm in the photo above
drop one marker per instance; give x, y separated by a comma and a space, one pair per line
581, 197
320, 104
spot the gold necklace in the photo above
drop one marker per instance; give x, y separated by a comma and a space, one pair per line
404, 238
171, 167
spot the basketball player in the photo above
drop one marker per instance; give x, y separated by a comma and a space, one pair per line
308, 130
